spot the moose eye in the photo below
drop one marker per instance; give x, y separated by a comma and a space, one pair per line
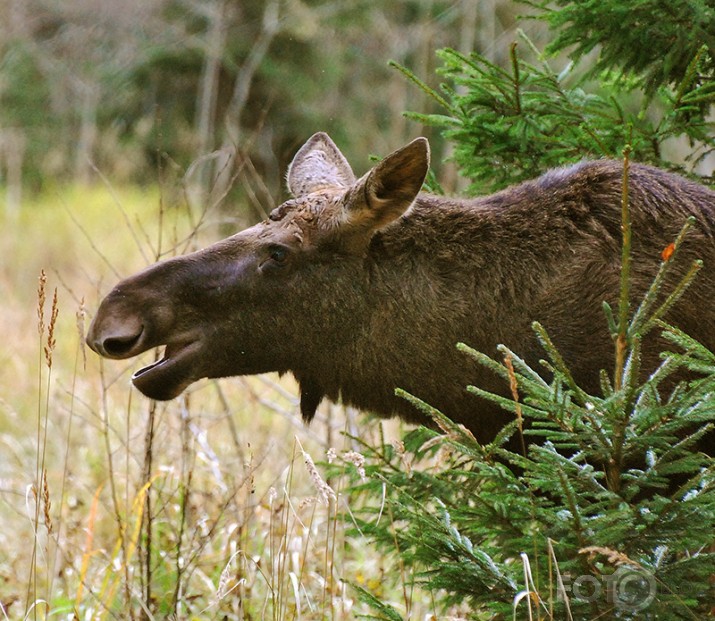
276, 257
279, 254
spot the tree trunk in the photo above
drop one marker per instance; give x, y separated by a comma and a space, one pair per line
226, 165
12, 147
208, 93
84, 151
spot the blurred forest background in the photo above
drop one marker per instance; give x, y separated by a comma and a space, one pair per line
219, 93
131, 130
110, 112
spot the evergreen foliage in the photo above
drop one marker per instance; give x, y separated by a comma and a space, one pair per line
509, 125
654, 40
607, 510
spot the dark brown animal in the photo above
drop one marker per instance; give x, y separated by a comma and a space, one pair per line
359, 286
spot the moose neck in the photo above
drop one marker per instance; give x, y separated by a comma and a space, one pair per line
413, 297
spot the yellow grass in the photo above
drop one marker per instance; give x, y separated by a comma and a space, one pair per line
113, 507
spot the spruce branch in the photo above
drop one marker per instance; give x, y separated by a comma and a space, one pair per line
622, 341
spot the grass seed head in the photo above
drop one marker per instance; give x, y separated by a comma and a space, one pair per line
357, 460
46, 503
51, 339
80, 315
41, 302
325, 492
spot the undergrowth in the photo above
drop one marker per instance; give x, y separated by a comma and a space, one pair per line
114, 507
603, 507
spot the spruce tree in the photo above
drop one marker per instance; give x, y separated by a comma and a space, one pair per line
607, 511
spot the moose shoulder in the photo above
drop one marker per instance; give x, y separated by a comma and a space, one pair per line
360, 286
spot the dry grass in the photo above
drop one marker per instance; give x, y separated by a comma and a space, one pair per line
114, 507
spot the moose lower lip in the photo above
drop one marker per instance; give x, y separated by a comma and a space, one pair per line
167, 377
149, 368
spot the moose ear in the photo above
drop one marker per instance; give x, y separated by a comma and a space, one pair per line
318, 164
392, 186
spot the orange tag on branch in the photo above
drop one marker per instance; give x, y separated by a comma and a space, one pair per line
668, 252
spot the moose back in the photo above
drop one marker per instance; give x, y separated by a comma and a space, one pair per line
360, 286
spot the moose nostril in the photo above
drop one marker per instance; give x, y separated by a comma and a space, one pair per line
120, 345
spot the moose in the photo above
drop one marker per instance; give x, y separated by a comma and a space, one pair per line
358, 286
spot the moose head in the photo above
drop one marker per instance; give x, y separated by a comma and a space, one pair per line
263, 299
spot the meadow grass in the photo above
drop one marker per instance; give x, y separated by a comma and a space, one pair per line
115, 507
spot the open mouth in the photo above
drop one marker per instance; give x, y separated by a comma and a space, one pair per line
167, 378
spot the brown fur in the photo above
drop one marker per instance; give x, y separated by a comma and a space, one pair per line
360, 286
